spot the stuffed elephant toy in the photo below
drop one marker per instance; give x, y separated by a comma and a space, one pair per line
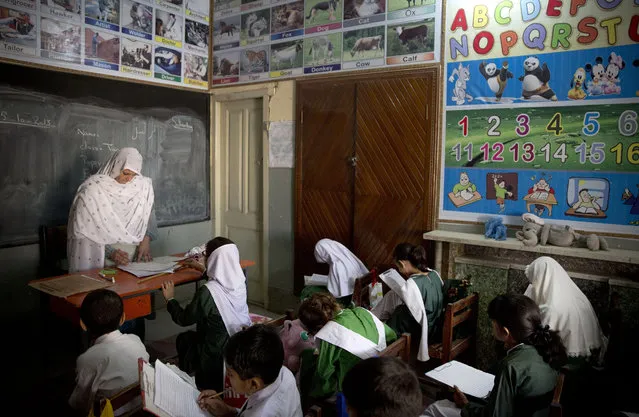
535, 231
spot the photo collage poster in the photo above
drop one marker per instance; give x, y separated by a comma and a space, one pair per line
164, 41
273, 39
541, 103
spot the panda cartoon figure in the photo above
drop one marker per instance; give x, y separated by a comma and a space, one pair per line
535, 80
497, 79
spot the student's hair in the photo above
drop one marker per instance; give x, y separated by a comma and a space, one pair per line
521, 316
416, 255
317, 310
215, 243
383, 387
101, 312
255, 352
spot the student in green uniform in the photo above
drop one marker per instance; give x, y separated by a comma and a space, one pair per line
526, 377
219, 308
398, 309
346, 337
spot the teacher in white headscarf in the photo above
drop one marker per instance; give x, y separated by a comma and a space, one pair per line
112, 215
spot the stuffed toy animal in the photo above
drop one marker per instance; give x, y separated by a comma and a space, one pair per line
535, 231
495, 229
295, 340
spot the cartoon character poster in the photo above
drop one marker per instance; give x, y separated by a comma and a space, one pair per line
541, 101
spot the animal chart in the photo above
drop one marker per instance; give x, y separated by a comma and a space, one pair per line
260, 40
541, 101
163, 41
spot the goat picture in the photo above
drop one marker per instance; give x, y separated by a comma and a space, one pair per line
287, 55
412, 37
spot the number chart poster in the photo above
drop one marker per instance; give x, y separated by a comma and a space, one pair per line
163, 41
541, 101
256, 40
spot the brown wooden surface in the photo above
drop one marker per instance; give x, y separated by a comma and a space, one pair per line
388, 122
324, 176
456, 313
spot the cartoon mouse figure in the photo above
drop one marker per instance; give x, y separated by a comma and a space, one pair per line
615, 65
598, 75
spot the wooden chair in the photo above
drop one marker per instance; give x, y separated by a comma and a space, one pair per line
455, 314
119, 400
555, 406
314, 411
53, 250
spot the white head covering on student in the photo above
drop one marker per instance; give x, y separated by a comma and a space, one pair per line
107, 212
344, 267
563, 306
227, 286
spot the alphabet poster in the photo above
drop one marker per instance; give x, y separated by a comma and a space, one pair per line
541, 101
164, 41
261, 40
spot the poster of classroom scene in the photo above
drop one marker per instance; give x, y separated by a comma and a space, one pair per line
542, 104
162, 41
281, 39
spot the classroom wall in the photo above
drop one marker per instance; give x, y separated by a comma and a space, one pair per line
281, 198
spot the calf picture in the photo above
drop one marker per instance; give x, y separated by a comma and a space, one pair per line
411, 38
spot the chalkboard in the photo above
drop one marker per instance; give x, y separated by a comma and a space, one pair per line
50, 143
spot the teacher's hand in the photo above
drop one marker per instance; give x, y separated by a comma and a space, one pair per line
144, 250
120, 257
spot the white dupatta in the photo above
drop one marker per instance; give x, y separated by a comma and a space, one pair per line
227, 286
107, 212
353, 342
344, 266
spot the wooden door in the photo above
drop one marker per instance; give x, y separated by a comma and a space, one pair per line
241, 185
324, 173
395, 149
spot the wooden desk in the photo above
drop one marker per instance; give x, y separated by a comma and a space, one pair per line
548, 203
137, 297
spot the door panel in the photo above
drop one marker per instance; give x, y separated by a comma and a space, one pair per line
241, 185
392, 148
324, 175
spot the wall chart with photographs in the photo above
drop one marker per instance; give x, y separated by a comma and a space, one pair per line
165, 41
272, 39
541, 101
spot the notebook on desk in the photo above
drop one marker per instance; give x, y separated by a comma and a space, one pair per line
471, 381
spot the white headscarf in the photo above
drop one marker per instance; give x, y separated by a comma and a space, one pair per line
107, 212
563, 306
228, 288
344, 267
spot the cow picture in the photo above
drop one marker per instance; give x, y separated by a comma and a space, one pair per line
411, 37
364, 44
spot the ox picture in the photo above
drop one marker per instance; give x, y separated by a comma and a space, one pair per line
322, 12
136, 54
361, 9
287, 55
103, 10
322, 50
196, 34
196, 67
168, 25
101, 45
288, 17
137, 16
411, 37
394, 5
226, 65
226, 31
254, 60
363, 44
255, 26
168, 61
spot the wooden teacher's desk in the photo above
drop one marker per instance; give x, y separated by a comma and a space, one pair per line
548, 202
137, 297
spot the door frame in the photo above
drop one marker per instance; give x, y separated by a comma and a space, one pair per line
217, 100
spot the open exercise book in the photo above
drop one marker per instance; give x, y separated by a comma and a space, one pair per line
156, 266
469, 380
168, 392
316, 279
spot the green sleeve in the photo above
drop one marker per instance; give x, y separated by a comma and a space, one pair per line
325, 378
193, 311
457, 188
501, 401
390, 334
473, 187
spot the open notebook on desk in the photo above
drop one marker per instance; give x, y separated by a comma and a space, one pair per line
168, 392
469, 380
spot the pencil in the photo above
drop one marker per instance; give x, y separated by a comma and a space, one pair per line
153, 276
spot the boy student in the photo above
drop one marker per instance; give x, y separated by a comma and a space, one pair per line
111, 364
254, 359
382, 387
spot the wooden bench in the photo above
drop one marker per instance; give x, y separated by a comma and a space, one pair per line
119, 400
455, 314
